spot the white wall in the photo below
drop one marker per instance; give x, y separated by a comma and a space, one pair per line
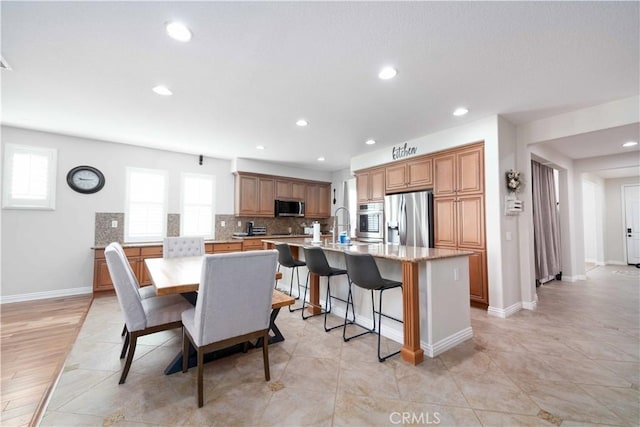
593, 195
617, 113
278, 169
615, 237
50, 251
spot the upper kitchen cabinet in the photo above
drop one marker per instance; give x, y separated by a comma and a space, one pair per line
415, 174
254, 195
298, 190
317, 203
288, 189
459, 171
370, 185
283, 189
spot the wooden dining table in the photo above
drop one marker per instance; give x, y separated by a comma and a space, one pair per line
181, 275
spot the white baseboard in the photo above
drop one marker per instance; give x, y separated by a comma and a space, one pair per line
504, 312
614, 263
48, 294
529, 305
447, 343
392, 334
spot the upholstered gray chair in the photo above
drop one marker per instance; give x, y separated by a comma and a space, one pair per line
141, 316
182, 246
233, 306
145, 292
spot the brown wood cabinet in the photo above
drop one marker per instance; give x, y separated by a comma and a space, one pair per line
224, 247
252, 244
317, 203
254, 196
298, 190
370, 185
458, 172
459, 220
414, 174
135, 255
283, 189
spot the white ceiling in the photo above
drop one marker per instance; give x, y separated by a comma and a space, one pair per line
253, 68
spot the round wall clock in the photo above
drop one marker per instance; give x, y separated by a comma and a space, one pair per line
85, 179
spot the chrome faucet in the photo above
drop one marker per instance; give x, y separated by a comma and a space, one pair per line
334, 232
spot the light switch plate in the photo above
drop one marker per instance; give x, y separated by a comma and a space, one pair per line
222, 223
114, 223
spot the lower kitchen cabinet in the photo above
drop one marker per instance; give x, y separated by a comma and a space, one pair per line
136, 256
102, 278
252, 245
478, 277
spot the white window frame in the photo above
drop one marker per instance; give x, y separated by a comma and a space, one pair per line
183, 204
49, 201
139, 237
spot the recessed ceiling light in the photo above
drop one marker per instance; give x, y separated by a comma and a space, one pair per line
260, 147
162, 90
387, 73
370, 142
302, 123
321, 159
178, 31
629, 144
460, 111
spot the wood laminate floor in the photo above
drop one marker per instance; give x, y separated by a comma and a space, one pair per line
36, 337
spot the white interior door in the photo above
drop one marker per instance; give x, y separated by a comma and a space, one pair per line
632, 222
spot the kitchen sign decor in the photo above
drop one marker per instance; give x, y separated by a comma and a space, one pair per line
402, 151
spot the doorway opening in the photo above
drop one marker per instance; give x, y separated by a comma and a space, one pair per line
631, 202
546, 223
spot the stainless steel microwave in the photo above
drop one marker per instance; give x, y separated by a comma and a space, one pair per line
289, 208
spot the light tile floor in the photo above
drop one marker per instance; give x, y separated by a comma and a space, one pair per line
575, 361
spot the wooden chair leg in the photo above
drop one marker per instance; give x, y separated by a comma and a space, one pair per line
125, 345
200, 379
132, 349
265, 356
185, 350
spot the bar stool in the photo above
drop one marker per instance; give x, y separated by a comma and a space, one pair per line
363, 272
317, 263
285, 259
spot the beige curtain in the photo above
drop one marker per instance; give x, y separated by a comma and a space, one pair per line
546, 225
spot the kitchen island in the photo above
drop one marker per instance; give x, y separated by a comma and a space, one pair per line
435, 298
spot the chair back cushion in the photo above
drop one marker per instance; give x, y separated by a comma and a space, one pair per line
234, 296
285, 258
363, 270
126, 287
316, 261
182, 246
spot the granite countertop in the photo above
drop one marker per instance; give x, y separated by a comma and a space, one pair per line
147, 244
277, 236
378, 250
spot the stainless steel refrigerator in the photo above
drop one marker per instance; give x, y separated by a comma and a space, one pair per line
409, 218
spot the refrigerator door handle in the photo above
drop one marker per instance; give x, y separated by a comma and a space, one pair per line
402, 222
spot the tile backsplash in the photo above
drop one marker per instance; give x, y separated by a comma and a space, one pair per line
274, 225
105, 233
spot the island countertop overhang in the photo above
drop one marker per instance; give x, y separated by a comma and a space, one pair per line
378, 250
